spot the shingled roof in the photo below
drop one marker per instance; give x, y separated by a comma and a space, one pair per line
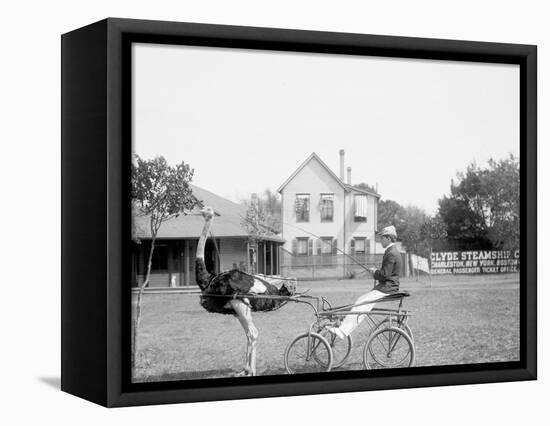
227, 224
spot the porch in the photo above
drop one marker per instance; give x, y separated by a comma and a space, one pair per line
173, 263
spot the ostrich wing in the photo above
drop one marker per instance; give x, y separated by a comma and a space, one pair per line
239, 282
225, 284
234, 281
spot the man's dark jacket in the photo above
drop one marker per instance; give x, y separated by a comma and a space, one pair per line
388, 275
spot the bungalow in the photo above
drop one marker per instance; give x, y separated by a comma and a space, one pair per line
228, 247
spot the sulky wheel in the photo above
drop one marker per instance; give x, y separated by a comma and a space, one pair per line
340, 348
386, 324
388, 348
308, 353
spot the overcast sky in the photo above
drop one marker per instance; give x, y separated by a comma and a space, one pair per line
246, 119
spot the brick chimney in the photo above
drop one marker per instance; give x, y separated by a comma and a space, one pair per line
342, 165
349, 175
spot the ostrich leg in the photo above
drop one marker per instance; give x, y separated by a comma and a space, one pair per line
245, 318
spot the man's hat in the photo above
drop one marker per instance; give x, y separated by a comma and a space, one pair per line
388, 230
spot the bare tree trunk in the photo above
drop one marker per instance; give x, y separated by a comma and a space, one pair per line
137, 318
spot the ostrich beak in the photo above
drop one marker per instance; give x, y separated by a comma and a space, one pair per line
201, 212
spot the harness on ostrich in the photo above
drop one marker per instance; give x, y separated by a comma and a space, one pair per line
248, 282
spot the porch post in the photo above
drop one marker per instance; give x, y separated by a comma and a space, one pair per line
248, 256
186, 262
218, 249
170, 254
265, 257
271, 258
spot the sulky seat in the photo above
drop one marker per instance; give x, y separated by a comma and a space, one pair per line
394, 296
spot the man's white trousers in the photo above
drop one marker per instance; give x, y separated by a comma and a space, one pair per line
351, 322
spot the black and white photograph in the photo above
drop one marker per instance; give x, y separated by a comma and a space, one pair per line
275, 213
298, 212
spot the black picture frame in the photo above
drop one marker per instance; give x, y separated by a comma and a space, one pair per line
96, 152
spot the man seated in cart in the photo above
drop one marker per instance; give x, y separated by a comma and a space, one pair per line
388, 283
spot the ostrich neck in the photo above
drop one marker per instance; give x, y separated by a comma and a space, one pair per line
203, 237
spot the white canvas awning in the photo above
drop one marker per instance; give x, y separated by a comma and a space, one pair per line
361, 206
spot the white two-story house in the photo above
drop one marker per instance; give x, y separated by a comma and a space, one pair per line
318, 203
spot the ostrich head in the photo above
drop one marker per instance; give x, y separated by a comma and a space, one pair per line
289, 287
207, 212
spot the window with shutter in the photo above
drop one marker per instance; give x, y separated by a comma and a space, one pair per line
327, 207
352, 246
295, 246
310, 247
302, 246
334, 246
326, 245
360, 246
318, 248
302, 207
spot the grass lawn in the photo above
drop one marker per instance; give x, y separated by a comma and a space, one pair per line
456, 320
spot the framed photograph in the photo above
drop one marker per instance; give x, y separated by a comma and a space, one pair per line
255, 212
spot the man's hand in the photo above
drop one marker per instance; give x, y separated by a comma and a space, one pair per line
371, 270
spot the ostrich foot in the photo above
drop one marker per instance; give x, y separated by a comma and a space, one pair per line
245, 373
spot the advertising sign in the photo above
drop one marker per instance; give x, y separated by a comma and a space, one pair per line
474, 262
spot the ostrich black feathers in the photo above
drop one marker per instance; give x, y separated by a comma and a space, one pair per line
234, 282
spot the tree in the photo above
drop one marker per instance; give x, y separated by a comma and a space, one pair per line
409, 222
271, 204
391, 213
366, 187
435, 232
411, 233
482, 210
262, 218
160, 192
265, 210
465, 228
502, 188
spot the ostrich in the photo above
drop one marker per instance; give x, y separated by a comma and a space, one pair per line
232, 283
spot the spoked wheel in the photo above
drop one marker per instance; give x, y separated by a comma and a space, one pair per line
308, 353
340, 348
386, 324
388, 348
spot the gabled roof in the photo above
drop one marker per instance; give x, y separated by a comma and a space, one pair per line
227, 224
346, 187
322, 163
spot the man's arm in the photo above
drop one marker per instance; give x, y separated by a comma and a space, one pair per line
386, 271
